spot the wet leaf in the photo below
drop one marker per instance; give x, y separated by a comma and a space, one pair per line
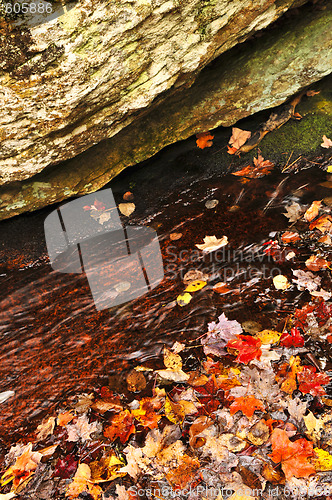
246, 404
106, 469
147, 414
64, 418
183, 475
219, 334
172, 361
122, 426
211, 243
128, 196
292, 338
81, 483
293, 212
194, 286
293, 455
211, 203
315, 263
312, 211
268, 336
174, 412
65, 467
82, 429
194, 275
281, 282
248, 348
175, 236
183, 299
323, 224
46, 428
259, 433
290, 237
310, 382
204, 140
136, 381
197, 427
126, 208
221, 288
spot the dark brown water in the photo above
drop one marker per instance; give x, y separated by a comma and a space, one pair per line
53, 342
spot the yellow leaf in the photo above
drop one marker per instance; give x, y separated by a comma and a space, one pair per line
329, 169
268, 336
172, 361
195, 286
184, 299
174, 412
281, 282
323, 462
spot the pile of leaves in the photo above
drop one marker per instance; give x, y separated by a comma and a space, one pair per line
250, 419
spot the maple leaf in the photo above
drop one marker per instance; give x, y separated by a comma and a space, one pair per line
238, 138
122, 426
327, 143
292, 339
306, 280
81, 429
81, 483
248, 347
310, 382
260, 169
146, 413
204, 140
210, 396
183, 475
211, 243
293, 455
64, 418
293, 212
246, 404
219, 334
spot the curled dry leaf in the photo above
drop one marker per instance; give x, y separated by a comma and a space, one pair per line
126, 208
211, 243
193, 275
238, 138
204, 140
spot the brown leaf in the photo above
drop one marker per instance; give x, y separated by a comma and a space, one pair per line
312, 211
175, 236
128, 196
136, 381
259, 433
199, 425
238, 138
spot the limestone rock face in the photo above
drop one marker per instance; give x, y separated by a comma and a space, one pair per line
71, 81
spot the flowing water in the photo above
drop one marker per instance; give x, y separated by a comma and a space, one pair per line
53, 341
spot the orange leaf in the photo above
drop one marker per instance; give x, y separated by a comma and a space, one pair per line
293, 455
246, 404
323, 223
312, 211
327, 143
290, 237
65, 418
122, 427
204, 140
315, 263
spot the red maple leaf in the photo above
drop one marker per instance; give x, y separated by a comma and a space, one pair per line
310, 382
248, 347
293, 455
294, 338
210, 396
246, 404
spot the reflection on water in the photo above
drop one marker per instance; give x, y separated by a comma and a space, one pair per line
53, 341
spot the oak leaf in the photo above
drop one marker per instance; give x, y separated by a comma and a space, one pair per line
211, 243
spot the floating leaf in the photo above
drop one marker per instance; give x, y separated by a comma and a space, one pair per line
126, 208
281, 282
246, 404
175, 236
211, 243
194, 286
183, 299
